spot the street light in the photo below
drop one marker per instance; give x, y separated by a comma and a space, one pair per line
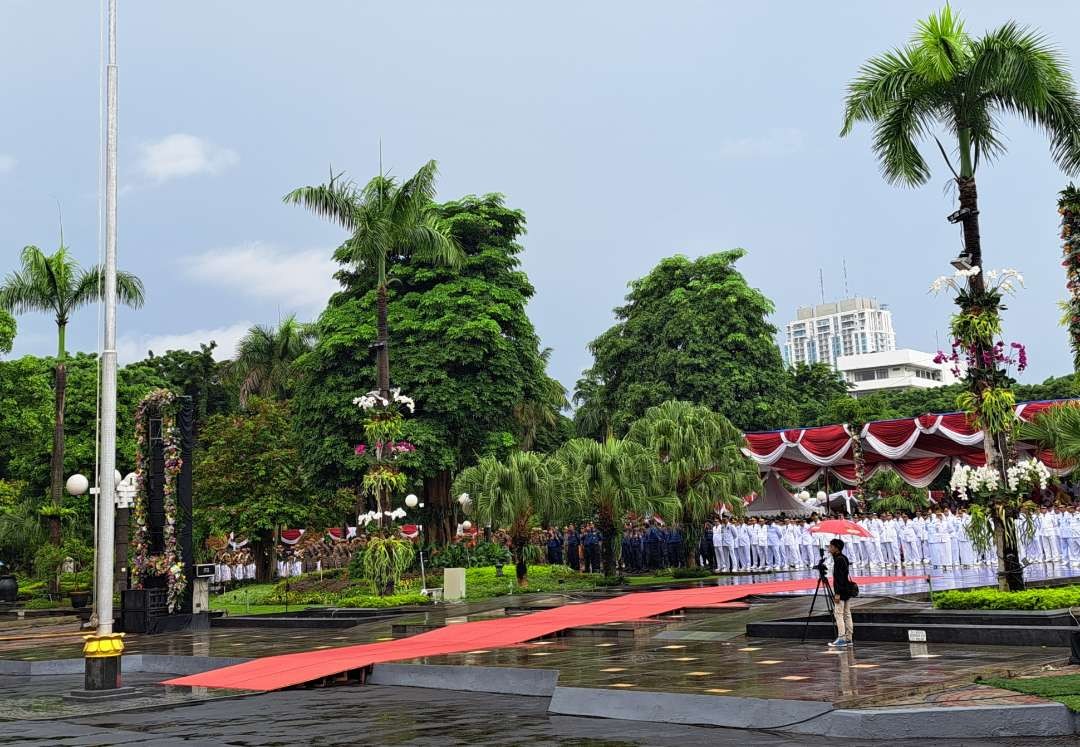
77, 485
412, 502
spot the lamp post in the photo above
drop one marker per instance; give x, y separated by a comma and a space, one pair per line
411, 501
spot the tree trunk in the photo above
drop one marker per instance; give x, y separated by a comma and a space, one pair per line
691, 539
54, 529
56, 465
606, 525
1010, 572
382, 345
440, 509
263, 550
521, 568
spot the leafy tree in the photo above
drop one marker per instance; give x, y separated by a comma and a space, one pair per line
196, 374
815, 386
55, 284
388, 223
611, 480
467, 353
691, 330
248, 479
513, 494
542, 409
1056, 429
265, 357
7, 331
700, 460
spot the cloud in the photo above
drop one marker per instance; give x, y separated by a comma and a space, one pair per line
7, 163
300, 279
178, 155
770, 144
132, 348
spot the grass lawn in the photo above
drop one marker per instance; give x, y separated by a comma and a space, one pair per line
482, 583
1063, 688
251, 599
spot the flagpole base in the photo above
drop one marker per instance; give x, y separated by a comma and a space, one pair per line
103, 675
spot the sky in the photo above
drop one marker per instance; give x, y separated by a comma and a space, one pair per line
626, 131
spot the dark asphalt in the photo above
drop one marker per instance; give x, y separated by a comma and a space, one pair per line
391, 716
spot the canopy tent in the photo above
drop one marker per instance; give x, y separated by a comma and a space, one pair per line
775, 499
917, 449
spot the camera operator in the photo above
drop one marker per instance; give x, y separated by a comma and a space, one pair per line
843, 591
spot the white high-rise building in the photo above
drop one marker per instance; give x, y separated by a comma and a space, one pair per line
823, 333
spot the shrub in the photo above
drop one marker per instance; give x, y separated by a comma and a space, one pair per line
992, 599
690, 573
385, 560
356, 564
392, 600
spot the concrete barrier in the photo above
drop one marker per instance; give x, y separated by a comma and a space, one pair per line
504, 680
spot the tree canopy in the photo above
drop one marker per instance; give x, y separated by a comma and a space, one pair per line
692, 330
7, 331
464, 349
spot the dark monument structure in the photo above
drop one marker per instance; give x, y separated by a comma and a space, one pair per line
146, 610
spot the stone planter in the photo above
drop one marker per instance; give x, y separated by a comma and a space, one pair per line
79, 599
9, 589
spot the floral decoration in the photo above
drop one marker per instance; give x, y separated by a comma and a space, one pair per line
168, 564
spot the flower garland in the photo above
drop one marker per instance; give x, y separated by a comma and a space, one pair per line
168, 563
1069, 208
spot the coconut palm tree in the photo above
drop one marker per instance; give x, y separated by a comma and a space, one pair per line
387, 221
55, 284
944, 81
265, 356
701, 464
515, 494
611, 480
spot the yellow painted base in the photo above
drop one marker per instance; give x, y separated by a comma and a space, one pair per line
103, 646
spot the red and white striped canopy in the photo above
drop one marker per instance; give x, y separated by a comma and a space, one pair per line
917, 449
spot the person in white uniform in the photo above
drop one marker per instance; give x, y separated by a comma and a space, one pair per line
718, 546
963, 539
742, 545
1048, 536
775, 537
909, 543
889, 539
761, 536
938, 537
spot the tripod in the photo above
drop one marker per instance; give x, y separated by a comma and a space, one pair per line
822, 584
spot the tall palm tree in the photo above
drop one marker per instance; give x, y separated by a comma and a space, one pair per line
387, 221
1057, 429
612, 480
55, 284
945, 81
701, 464
265, 356
514, 494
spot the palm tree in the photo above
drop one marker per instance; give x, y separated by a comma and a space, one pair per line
387, 221
540, 408
946, 81
611, 479
55, 284
514, 494
265, 356
1056, 429
701, 464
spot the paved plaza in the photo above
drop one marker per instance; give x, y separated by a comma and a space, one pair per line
696, 652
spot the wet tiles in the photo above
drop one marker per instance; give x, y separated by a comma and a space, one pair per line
622, 684
672, 648
685, 658
794, 678
771, 661
865, 666
750, 648
717, 690
698, 674
614, 669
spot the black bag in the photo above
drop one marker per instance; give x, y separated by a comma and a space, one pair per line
854, 589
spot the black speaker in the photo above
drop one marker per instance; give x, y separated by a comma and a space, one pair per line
1074, 645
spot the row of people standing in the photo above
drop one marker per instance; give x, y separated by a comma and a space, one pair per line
580, 550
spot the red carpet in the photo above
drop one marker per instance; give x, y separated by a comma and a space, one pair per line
286, 670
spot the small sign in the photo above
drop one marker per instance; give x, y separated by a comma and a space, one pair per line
204, 570
916, 636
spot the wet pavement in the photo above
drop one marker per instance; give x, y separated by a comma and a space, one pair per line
398, 716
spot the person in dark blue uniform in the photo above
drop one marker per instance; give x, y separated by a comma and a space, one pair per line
572, 543
589, 546
554, 547
706, 553
675, 548
652, 548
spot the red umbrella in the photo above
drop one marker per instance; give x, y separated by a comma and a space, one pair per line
840, 526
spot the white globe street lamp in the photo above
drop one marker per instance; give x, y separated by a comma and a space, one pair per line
822, 496
466, 525
412, 501
77, 484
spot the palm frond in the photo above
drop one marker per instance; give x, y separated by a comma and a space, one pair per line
337, 200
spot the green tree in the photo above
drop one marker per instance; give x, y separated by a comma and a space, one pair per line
265, 358
55, 284
466, 351
7, 331
514, 493
815, 386
700, 462
611, 480
387, 223
248, 479
690, 330
1058, 430
196, 374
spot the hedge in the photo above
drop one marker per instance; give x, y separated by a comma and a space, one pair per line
992, 599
